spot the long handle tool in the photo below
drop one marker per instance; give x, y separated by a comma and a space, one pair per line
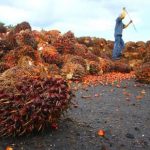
132, 20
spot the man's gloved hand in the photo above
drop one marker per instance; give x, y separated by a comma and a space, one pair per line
130, 21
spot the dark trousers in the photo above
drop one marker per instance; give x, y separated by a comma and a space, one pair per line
118, 46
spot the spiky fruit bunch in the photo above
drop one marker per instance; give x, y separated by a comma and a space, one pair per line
11, 38
31, 103
66, 57
147, 44
51, 36
50, 55
142, 73
65, 43
146, 55
96, 51
78, 60
26, 51
73, 71
80, 49
3, 29
4, 66
93, 67
10, 58
87, 41
8, 43
22, 26
122, 67
90, 56
99, 42
110, 44
54, 70
106, 65
130, 46
26, 38
4, 45
13, 56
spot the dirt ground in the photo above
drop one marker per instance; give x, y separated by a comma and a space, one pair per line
122, 112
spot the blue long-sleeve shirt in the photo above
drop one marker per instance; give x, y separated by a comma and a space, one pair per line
119, 26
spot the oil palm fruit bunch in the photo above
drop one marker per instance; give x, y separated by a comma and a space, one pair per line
31, 103
65, 43
3, 29
22, 26
80, 49
142, 73
13, 56
50, 55
26, 38
51, 36
73, 71
90, 56
78, 60
122, 67
106, 65
94, 68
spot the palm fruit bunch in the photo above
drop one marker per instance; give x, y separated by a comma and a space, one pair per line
90, 56
11, 39
122, 67
78, 60
4, 66
110, 44
87, 41
26, 38
39, 36
142, 73
25, 61
131, 51
73, 71
8, 42
96, 51
66, 57
130, 46
22, 26
53, 70
106, 52
99, 43
94, 68
13, 56
80, 49
50, 55
65, 43
10, 58
26, 51
51, 36
4, 45
106, 65
141, 49
3, 29
30, 103
146, 55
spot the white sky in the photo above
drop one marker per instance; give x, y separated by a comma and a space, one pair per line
82, 17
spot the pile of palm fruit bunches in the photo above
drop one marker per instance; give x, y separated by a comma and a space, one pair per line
35, 67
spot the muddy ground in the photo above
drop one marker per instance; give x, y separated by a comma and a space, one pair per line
122, 112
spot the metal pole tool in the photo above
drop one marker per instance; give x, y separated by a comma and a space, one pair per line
131, 19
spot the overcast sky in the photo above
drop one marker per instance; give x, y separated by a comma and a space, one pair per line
82, 17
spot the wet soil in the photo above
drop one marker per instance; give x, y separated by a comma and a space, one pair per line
123, 113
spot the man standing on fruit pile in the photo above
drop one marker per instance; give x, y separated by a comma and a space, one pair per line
119, 43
